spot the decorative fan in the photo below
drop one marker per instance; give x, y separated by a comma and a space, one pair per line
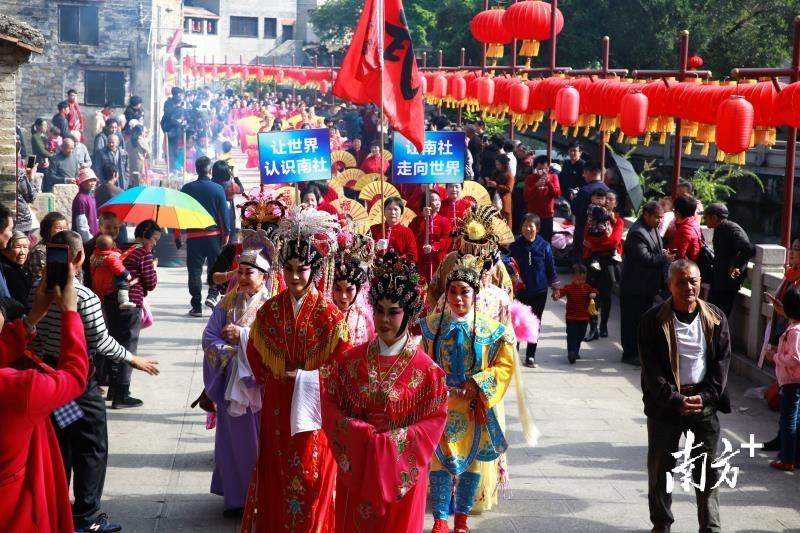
387, 155
371, 190
366, 179
288, 194
346, 158
335, 187
376, 210
346, 178
476, 191
353, 211
501, 230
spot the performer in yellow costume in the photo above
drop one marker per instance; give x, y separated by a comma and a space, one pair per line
477, 354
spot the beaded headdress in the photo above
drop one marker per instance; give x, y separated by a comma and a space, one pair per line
263, 210
309, 236
476, 234
396, 279
469, 270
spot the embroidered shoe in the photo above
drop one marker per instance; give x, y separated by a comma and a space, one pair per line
780, 465
460, 525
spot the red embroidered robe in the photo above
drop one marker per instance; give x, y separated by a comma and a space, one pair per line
439, 237
292, 487
384, 416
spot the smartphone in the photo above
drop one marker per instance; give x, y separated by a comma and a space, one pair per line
58, 258
31, 161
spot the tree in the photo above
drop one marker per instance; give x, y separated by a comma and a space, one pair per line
644, 33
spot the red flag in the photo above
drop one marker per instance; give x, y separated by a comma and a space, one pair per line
359, 77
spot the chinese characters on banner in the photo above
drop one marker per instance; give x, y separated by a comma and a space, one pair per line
441, 160
295, 155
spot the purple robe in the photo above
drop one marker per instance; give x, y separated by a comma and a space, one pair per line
236, 441
84, 204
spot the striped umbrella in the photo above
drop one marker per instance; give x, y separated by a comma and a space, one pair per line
169, 208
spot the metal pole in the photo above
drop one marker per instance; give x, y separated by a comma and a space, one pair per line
483, 55
677, 150
553, 9
294, 90
440, 61
460, 109
513, 73
791, 144
604, 55
333, 70
381, 48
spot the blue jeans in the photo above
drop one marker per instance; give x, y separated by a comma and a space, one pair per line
576, 330
790, 402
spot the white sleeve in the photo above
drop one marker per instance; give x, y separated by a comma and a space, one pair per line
83, 227
306, 412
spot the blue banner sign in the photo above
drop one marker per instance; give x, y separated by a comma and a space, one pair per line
294, 155
441, 160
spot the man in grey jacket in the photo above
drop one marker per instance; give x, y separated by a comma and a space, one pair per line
643, 274
732, 251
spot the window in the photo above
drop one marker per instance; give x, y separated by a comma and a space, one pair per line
211, 27
270, 28
244, 27
105, 86
78, 25
197, 25
187, 25
287, 32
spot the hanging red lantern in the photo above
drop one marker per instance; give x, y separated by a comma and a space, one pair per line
529, 21
458, 88
734, 125
260, 74
788, 106
764, 97
695, 61
324, 86
518, 98
633, 114
280, 76
568, 102
484, 89
423, 85
229, 72
169, 65
488, 28
440, 87
245, 74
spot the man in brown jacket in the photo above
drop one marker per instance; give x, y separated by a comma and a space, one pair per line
685, 352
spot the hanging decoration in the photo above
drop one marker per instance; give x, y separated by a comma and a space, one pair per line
529, 21
488, 28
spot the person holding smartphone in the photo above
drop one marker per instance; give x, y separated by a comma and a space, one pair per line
541, 190
83, 438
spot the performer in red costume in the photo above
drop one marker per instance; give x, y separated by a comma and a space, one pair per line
454, 207
384, 410
294, 334
398, 237
438, 229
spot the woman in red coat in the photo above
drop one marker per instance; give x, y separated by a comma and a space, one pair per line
438, 228
372, 163
32, 478
687, 239
400, 238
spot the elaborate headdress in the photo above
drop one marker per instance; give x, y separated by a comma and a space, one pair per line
477, 233
396, 279
309, 236
469, 270
263, 210
257, 250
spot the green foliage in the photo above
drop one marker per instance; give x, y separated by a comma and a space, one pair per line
716, 184
493, 125
644, 33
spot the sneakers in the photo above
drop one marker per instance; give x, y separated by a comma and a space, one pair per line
211, 301
616, 257
127, 403
530, 362
603, 333
440, 526
572, 357
196, 312
595, 265
593, 335
99, 525
123, 301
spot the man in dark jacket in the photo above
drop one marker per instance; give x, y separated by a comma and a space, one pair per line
732, 250
643, 269
60, 119
593, 176
203, 245
685, 354
112, 154
537, 271
571, 175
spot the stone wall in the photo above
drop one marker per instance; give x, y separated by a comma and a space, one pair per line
11, 56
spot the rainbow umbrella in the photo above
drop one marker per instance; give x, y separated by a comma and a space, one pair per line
169, 208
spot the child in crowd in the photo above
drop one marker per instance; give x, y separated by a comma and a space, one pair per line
668, 222
108, 272
598, 224
579, 295
54, 139
787, 369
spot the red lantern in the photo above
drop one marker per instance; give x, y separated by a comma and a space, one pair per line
788, 106
529, 21
229, 72
440, 87
695, 61
245, 74
458, 88
487, 27
734, 125
568, 102
280, 76
518, 98
423, 85
324, 86
485, 91
169, 65
633, 114
260, 74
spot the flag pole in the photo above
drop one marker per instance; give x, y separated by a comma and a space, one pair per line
381, 34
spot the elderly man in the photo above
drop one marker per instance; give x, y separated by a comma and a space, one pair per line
63, 167
642, 276
111, 154
100, 141
685, 353
12, 259
81, 151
